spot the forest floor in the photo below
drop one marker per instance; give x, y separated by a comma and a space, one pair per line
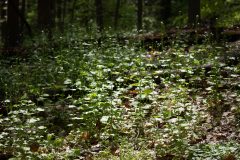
79, 100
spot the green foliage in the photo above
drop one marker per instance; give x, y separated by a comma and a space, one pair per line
76, 98
224, 12
118, 101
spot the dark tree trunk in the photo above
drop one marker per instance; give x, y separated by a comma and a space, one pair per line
139, 14
73, 10
99, 18
99, 15
193, 12
13, 25
3, 14
23, 21
64, 14
116, 18
22, 12
59, 13
165, 10
2, 10
46, 9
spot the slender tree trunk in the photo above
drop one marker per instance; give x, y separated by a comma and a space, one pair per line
13, 25
99, 19
22, 12
2, 10
73, 10
43, 14
46, 12
59, 14
86, 21
3, 20
64, 14
99, 15
22, 18
116, 18
193, 12
165, 11
139, 14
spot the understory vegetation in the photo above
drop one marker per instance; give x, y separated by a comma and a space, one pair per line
76, 99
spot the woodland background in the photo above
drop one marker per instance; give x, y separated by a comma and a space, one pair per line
119, 79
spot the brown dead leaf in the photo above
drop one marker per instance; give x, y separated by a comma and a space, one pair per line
133, 92
34, 147
229, 157
86, 135
115, 150
127, 104
99, 124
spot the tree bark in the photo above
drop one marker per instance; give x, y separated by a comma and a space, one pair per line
139, 14
193, 12
165, 10
64, 14
22, 18
2, 11
116, 18
59, 14
46, 9
99, 15
22, 12
3, 14
13, 25
73, 10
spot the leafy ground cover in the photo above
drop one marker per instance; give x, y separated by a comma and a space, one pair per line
75, 99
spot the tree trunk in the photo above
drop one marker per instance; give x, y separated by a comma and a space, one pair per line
116, 18
23, 21
99, 18
193, 12
99, 15
22, 12
2, 10
165, 10
139, 14
13, 25
73, 10
46, 16
59, 13
64, 14
3, 20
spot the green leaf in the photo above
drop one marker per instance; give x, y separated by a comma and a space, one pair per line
104, 119
41, 127
71, 106
147, 91
40, 109
33, 120
67, 81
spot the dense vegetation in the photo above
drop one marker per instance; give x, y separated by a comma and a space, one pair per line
87, 94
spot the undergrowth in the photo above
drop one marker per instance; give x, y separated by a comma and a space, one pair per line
76, 99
